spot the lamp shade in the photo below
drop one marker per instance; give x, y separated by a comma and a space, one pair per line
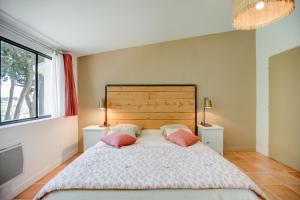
207, 103
101, 104
252, 14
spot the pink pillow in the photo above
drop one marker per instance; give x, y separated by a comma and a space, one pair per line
118, 139
183, 138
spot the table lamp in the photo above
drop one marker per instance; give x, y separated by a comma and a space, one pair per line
102, 107
206, 104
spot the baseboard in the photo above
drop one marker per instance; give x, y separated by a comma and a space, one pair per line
27, 183
263, 150
239, 148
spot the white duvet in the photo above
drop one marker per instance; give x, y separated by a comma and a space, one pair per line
149, 164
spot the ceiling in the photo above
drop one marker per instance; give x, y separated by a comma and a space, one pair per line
92, 26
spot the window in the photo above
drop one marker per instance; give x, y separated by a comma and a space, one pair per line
25, 83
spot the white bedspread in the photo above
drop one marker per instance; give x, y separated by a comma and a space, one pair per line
149, 165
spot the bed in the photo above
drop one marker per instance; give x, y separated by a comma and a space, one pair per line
152, 168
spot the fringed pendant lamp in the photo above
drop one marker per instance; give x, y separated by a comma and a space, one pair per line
252, 14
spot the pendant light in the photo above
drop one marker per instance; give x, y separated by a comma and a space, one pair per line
252, 14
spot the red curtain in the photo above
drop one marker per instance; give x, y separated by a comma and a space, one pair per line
70, 90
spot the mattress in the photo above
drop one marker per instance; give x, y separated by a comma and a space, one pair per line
152, 138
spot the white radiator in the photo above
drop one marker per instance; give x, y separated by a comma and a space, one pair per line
11, 162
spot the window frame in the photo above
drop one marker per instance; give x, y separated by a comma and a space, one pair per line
37, 53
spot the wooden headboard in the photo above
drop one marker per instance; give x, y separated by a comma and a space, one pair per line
151, 106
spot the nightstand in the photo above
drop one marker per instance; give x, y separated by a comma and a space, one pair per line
212, 136
92, 135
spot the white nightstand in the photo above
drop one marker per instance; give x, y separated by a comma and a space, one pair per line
92, 135
212, 137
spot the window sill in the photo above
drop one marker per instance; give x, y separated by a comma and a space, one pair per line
4, 126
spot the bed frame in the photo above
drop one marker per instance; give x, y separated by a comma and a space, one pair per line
151, 106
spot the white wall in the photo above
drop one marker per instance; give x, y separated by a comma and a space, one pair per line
271, 40
46, 143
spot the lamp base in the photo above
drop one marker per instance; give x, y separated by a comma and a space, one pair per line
206, 124
104, 125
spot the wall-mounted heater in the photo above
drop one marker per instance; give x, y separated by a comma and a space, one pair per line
11, 162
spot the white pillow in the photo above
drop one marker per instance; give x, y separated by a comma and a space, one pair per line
169, 131
138, 128
162, 128
123, 130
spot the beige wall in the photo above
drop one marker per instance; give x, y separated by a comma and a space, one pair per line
285, 107
222, 65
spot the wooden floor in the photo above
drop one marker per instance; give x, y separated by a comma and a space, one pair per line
277, 180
